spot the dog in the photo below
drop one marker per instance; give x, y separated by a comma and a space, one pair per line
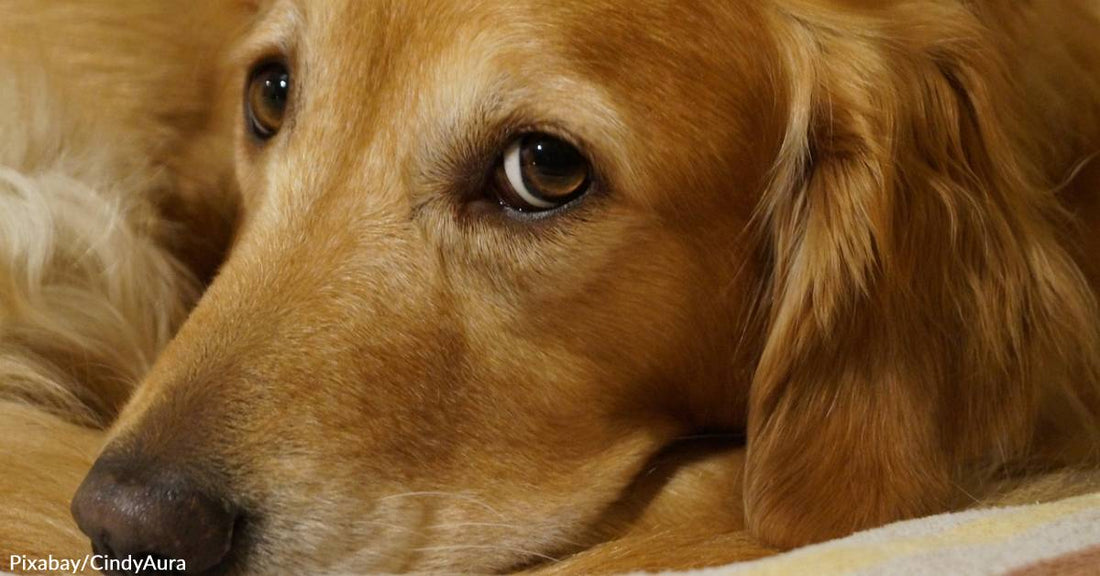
502, 286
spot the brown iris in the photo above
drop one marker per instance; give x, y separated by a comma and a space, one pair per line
540, 172
266, 99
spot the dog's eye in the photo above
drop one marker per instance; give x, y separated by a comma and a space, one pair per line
266, 99
540, 172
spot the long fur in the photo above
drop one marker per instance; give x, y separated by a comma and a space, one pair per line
924, 336
99, 262
88, 296
929, 325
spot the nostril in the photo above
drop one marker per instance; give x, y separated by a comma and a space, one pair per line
156, 521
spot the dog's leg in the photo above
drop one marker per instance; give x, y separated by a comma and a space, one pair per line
684, 512
659, 551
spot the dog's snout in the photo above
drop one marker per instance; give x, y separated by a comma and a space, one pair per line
160, 521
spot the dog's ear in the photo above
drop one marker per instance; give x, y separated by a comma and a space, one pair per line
924, 317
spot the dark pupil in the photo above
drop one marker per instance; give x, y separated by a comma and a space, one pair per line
551, 167
275, 88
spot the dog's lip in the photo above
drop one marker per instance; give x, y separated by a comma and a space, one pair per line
238, 548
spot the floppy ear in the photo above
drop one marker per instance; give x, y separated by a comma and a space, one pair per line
925, 319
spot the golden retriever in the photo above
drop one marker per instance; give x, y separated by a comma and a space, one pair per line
507, 282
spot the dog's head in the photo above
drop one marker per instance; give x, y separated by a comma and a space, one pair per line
494, 256
491, 260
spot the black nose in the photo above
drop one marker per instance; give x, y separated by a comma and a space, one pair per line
154, 517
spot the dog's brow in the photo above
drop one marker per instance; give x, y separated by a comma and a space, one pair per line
275, 34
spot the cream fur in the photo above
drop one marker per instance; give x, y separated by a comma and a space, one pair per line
87, 300
86, 293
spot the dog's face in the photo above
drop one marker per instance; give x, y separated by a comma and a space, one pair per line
491, 260
494, 256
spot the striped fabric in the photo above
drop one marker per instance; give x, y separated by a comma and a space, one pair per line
1056, 539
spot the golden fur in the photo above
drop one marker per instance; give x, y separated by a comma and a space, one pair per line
96, 214
862, 233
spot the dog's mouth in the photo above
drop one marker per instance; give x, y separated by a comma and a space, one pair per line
643, 492
239, 547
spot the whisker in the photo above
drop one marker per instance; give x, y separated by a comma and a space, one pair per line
711, 436
516, 527
389, 525
456, 495
488, 547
